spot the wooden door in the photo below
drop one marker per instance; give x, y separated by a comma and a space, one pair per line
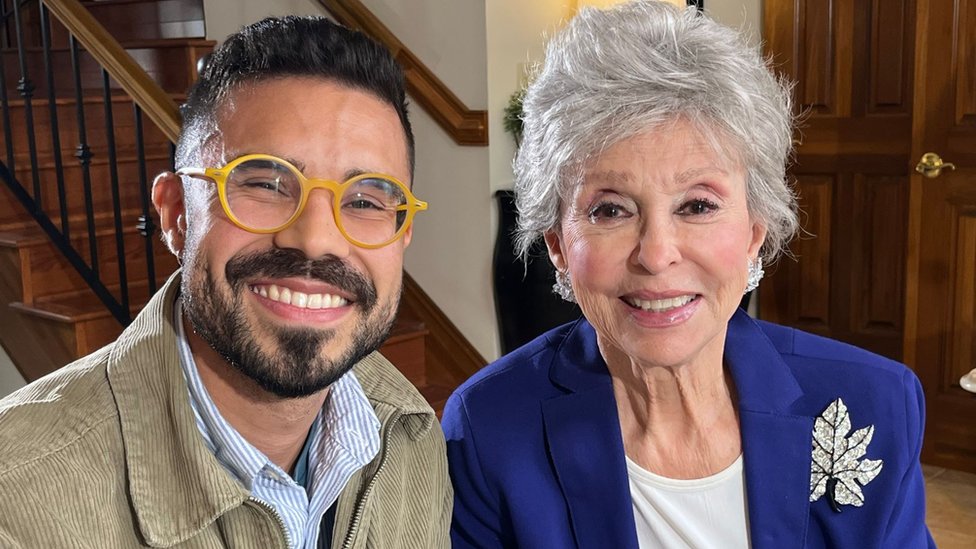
852, 61
940, 316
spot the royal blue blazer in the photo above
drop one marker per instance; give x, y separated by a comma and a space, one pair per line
537, 458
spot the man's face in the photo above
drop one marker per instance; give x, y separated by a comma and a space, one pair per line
296, 309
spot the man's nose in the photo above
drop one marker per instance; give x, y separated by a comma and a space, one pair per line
316, 232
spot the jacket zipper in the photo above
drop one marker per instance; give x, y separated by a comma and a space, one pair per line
277, 517
361, 503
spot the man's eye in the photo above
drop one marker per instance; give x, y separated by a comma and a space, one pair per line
698, 206
607, 210
363, 203
262, 184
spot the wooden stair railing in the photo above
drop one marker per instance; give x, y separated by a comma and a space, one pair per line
155, 102
465, 126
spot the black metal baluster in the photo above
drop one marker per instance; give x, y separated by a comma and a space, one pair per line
26, 89
55, 132
7, 130
146, 226
3, 20
5, 16
114, 183
84, 155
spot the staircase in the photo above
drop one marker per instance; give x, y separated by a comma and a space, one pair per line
49, 313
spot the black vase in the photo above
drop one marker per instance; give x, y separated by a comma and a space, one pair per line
524, 302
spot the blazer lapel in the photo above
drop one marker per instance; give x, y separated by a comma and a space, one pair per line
584, 442
776, 444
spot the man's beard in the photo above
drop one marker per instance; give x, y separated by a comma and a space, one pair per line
293, 365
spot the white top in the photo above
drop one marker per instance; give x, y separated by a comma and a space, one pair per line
698, 513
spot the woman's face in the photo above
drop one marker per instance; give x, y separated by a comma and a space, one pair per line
657, 240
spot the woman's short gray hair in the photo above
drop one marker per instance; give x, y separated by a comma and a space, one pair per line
612, 74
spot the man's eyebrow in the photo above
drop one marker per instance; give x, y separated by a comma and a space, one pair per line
293, 161
354, 172
351, 173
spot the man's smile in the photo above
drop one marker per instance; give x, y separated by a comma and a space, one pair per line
298, 299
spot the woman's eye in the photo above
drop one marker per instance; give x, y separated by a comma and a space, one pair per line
699, 206
607, 210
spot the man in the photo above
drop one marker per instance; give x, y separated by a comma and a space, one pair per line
246, 405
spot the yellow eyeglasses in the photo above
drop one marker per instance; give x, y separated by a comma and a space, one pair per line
264, 194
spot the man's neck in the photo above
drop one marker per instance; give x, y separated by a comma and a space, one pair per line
275, 426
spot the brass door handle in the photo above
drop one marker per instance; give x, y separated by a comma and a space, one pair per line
931, 165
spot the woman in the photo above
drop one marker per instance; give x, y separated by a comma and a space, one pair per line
653, 165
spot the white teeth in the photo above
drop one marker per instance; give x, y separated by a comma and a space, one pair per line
661, 305
298, 299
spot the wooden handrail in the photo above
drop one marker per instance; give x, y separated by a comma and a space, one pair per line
156, 103
466, 126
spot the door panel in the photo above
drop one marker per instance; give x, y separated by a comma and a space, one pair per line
940, 312
853, 62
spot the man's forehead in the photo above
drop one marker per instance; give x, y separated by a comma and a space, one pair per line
252, 118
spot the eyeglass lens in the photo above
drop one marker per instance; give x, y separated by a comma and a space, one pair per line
264, 194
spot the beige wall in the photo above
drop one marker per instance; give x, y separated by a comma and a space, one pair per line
739, 14
224, 17
10, 378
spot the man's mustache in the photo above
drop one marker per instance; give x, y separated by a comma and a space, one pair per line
287, 262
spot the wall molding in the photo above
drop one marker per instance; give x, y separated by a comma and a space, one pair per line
465, 126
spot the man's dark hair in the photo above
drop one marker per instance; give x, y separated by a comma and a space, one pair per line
291, 46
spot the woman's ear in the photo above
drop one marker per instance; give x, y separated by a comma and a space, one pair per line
758, 237
555, 246
167, 197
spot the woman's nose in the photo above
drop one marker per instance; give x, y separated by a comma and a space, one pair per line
658, 247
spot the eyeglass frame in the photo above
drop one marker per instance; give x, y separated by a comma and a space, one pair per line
308, 184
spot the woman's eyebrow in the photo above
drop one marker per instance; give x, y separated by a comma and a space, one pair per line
608, 176
695, 173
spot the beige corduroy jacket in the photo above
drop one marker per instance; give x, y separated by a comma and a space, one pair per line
105, 453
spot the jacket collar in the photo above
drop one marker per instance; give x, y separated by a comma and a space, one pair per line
584, 439
391, 394
176, 485
776, 442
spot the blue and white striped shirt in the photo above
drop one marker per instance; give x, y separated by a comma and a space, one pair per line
343, 438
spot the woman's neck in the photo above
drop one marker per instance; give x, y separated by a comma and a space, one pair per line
678, 421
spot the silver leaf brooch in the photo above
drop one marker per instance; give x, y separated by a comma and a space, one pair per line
837, 469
